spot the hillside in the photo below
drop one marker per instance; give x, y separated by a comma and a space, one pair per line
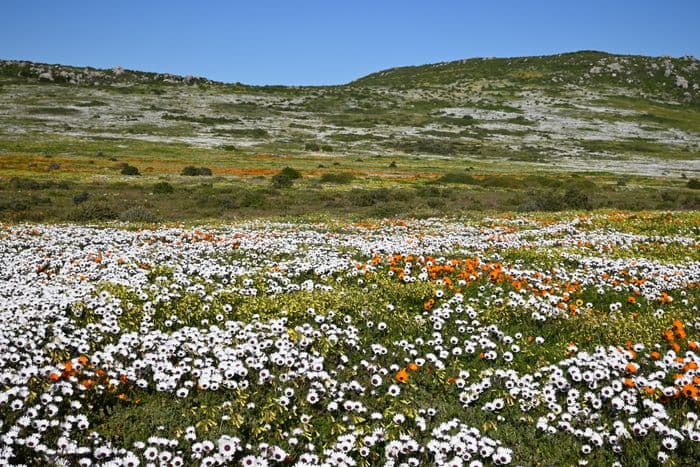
569, 109
670, 77
495, 128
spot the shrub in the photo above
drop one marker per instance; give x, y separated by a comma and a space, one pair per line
290, 173
281, 180
363, 197
138, 214
285, 177
341, 178
694, 184
92, 211
575, 198
327, 148
129, 170
14, 205
190, 171
252, 199
542, 200
193, 171
312, 147
163, 187
80, 198
458, 177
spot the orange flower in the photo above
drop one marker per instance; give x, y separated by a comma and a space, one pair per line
53, 377
655, 355
632, 367
690, 391
122, 396
87, 383
412, 366
668, 335
629, 382
123, 378
451, 380
402, 375
83, 360
631, 299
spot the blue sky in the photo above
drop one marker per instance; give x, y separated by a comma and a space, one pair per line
332, 42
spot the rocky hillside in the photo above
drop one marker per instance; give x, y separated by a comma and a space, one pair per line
19, 71
672, 77
581, 111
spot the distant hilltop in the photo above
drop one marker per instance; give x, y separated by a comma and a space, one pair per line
65, 74
677, 76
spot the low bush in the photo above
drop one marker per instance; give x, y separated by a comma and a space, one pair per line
80, 198
694, 184
129, 170
458, 177
340, 178
92, 211
192, 171
285, 177
138, 214
163, 188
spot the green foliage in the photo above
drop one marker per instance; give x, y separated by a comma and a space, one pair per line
694, 184
92, 210
81, 197
339, 178
163, 188
129, 170
290, 173
138, 214
192, 171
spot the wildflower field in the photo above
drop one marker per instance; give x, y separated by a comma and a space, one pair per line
524, 340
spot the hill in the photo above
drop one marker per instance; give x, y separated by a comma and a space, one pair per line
505, 120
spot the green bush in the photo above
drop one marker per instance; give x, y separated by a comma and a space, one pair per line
14, 205
138, 214
458, 177
281, 180
80, 198
285, 177
364, 197
341, 178
129, 170
92, 211
312, 147
290, 173
192, 171
252, 199
694, 184
163, 187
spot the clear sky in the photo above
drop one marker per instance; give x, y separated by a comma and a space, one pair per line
332, 41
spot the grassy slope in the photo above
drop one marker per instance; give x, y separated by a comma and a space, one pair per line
444, 138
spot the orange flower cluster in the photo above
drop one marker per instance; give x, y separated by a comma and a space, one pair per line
80, 370
676, 339
403, 374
